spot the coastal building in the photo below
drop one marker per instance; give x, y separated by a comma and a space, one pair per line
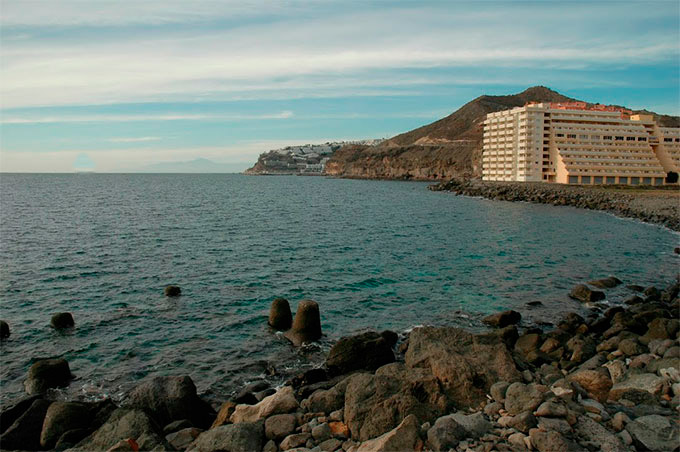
573, 143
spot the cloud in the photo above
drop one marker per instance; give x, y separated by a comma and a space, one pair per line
134, 118
132, 139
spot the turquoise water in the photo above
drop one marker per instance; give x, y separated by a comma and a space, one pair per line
373, 254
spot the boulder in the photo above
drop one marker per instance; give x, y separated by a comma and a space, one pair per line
326, 400
62, 320
465, 365
171, 398
279, 426
475, 425
551, 442
309, 377
593, 432
585, 294
121, 425
62, 417
11, 413
653, 433
231, 438
596, 383
4, 329
181, 439
528, 346
391, 337
503, 319
283, 401
498, 390
321, 432
660, 328
404, 437
280, 317
445, 434
47, 373
330, 445
366, 351
605, 283
172, 291
523, 422
307, 323
24, 433
647, 382
520, 397
551, 409
295, 440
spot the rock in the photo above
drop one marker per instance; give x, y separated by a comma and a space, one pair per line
551, 409
466, 365
493, 408
13, 412
24, 433
279, 426
226, 410
172, 291
72, 437
660, 328
593, 406
280, 317
571, 322
4, 329
336, 415
259, 396
520, 397
177, 426
653, 432
330, 445
231, 438
295, 440
517, 440
390, 337
326, 400
551, 442
47, 373
583, 293
498, 390
595, 382
121, 425
181, 439
402, 438
270, 447
523, 422
528, 347
280, 403
321, 432
582, 348
366, 351
309, 377
652, 293
605, 283
62, 417
592, 431
650, 383
633, 300
307, 323
617, 369
475, 425
124, 445
619, 421
445, 434
171, 398
503, 319
62, 320
630, 347
548, 424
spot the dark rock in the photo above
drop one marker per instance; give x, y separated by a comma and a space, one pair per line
176, 426
279, 426
652, 294
309, 377
508, 335
534, 303
62, 417
172, 291
552, 442
70, 438
121, 425
605, 283
246, 398
4, 329
47, 373
653, 433
181, 439
280, 317
635, 288
366, 351
266, 393
62, 320
571, 322
445, 434
24, 433
523, 422
13, 412
503, 319
170, 399
391, 337
583, 293
661, 329
307, 323
634, 300
676, 250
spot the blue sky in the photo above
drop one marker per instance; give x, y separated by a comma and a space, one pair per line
124, 84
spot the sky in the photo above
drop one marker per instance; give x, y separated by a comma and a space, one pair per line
120, 85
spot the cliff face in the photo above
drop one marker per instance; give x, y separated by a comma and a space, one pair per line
450, 147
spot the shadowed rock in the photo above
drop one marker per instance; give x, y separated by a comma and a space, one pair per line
307, 324
585, 294
4, 329
47, 373
62, 320
503, 319
173, 291
24, 433
280, 317
365, 351
605, 283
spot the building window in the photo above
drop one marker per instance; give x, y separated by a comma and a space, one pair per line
573, 179
658, 181
619, 138
611, 180
668, 140
642, 138
585, 179
647, 180
634, 181
598, 180
607, 137
623, 180
630, 138
571, 135
560, 135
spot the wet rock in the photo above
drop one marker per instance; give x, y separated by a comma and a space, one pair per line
503, 319
181, 439
172, 291
402, 438
279, 426
24, 433
605, 283
14, 411
62, 320
121, 425
62, 417
176, 426
585, 294
4, 329
307, 323
47, 373
366, 351
280, 403
647, 382
280, 316
596, 382
232, 437
170, 399
520, 397
295, 440
445, 434
223, 415
653, 433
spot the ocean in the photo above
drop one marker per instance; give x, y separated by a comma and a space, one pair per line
373, 254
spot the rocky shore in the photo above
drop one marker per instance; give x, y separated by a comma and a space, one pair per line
651, 205
609, 381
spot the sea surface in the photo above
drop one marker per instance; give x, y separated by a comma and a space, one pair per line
373, 254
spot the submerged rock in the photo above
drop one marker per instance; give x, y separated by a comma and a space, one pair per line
605, 283
280, 317
62, 320
307, 323
4, 329
47, 373
585, 294
172, 291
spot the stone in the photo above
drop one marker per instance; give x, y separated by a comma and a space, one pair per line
592, 431
605, 283
551, 442
223, 415
330, 445
171, 398
520, 397
47, 373
24, 433
653, 433
181, 439
551, 409
231, 438
597, 383
554, 424
270, 446
177, 426
309, 377
617, 370
326, 400
493, 408
62, 320
583, 293
121, 425
528, 347
172, 291
571, 322
280, 316
4, 329
523, 422
498, 390
307, 324
390, 337
672, 352
283, 401
295, 440
517, 440
72, 437
503, 319
279, 426
593, 406
11, 413
445, 434
660, 328
648, 382
336, 415
404, 437
630, 347
474, 424
652, 293
582, 348
321, 432
367, 351
619, 421
62, 417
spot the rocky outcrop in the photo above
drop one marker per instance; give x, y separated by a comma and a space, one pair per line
367, 351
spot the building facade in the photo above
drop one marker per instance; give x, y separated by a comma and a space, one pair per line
572, 143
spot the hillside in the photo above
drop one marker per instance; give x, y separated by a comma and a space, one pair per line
443, 149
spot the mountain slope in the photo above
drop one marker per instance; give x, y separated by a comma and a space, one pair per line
443, 149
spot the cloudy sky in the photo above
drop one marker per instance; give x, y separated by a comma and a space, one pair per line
117, 85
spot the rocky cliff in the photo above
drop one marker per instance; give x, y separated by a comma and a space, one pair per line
450, 147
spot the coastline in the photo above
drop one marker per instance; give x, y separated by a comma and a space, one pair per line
650, 205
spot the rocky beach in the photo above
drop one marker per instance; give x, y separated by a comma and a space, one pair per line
609, 380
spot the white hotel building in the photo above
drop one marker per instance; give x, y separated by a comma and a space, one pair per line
571, 143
